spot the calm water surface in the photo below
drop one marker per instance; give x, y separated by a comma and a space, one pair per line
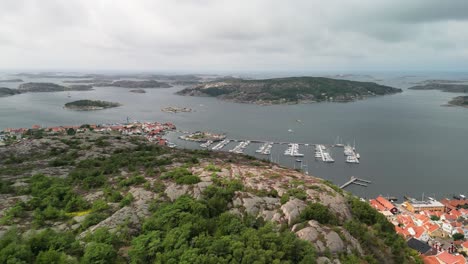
409, 143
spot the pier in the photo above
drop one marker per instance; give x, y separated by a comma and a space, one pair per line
356, 181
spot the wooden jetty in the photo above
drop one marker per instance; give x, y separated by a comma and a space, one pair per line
355, 180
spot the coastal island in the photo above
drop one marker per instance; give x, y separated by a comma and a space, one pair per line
289, 90
201, 136
459, 101
37, 87
90, 105
7, 91
137, 91
11, 80
174, 110
444, 87
134, 84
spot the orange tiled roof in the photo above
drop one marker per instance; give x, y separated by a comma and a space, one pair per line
387, 204
448, 258
422, 218
465, 244
430, 260
377, 205
430, 227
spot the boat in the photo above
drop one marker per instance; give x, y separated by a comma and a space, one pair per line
298, 160
68, 95
338, 142
290, 130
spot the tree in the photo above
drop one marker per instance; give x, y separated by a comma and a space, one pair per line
52, 257
99, 253
71, 132
458, 236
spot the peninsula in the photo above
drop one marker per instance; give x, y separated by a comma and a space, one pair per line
90, 105
289, 90
444, 87
37, 87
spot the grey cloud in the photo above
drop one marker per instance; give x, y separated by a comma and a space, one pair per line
222, 34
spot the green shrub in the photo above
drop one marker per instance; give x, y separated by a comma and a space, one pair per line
127, 200
318, 212
181, 176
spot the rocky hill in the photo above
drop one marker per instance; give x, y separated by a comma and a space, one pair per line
94, 198
289, 90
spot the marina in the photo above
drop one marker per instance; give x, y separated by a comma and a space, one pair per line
351, 155
322, 154
221, 144
265, 149
206, 144
293, 150
239, 149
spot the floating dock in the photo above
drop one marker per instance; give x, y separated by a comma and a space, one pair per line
356, 181
221, 144
293, 150
240, 147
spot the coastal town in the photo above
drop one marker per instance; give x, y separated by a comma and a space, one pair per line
436, 229
152, 131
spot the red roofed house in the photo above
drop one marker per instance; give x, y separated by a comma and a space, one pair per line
447, 258
464, 246
374, 203
387, 204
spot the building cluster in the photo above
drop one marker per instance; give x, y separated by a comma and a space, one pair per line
437, 229
153, 131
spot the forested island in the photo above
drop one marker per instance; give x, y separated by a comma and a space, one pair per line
137, 91
459, 101
7, 91
92, 198
89, 105
289, 90
134, 84
10, 80
36, 87
444, 87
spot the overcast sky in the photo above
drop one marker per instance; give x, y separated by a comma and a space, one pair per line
218, 35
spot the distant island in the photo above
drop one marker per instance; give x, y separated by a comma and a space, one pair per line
137, 91
174, 110
289, 90
444, 87
7, 91
459, 101
37, 87
134, 84
90, 105
11, 80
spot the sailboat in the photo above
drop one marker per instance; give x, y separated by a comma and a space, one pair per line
338, 142
69, 95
